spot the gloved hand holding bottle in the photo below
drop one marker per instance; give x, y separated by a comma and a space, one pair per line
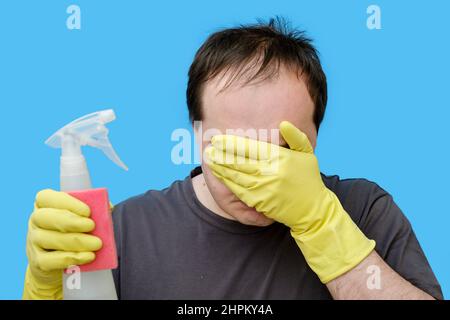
285, 184
56, 240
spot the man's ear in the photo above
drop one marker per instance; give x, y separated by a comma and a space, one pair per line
198, 140
197, 129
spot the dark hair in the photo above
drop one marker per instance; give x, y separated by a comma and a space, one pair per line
262, 47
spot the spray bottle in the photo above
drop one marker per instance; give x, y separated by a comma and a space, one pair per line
89, 130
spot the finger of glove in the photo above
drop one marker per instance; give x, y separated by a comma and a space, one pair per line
245, 165
240, 191
61, 220
54, 240
244, 147
295, 138
59, 260
240, 178
61, 200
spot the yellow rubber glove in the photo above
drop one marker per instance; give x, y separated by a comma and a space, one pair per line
286, 185
56, 240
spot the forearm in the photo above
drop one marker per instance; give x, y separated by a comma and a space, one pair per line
374, 279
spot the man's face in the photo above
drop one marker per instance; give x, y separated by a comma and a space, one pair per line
250, 108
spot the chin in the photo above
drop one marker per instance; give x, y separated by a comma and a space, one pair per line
249, 216
231, 204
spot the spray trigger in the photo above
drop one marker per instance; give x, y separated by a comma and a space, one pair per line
89, 130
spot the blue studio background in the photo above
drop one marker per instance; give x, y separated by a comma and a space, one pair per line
386, 121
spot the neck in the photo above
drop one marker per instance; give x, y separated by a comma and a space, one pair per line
204, 196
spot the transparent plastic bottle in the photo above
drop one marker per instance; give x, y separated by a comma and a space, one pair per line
89, 130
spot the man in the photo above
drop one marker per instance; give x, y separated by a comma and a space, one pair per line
265, 225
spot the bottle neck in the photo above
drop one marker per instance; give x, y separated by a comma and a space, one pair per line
70, 146
74, 173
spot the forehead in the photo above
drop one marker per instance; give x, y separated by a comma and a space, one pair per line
257, 105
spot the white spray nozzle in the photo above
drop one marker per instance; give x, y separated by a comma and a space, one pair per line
89, 130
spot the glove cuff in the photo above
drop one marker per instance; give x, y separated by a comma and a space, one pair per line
37, 290
335, 245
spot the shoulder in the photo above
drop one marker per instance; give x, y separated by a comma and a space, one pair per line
151, 201
365, 201
353, 188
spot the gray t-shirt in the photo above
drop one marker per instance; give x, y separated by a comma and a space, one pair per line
170, 246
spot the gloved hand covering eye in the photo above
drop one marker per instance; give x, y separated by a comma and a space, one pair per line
286, 185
